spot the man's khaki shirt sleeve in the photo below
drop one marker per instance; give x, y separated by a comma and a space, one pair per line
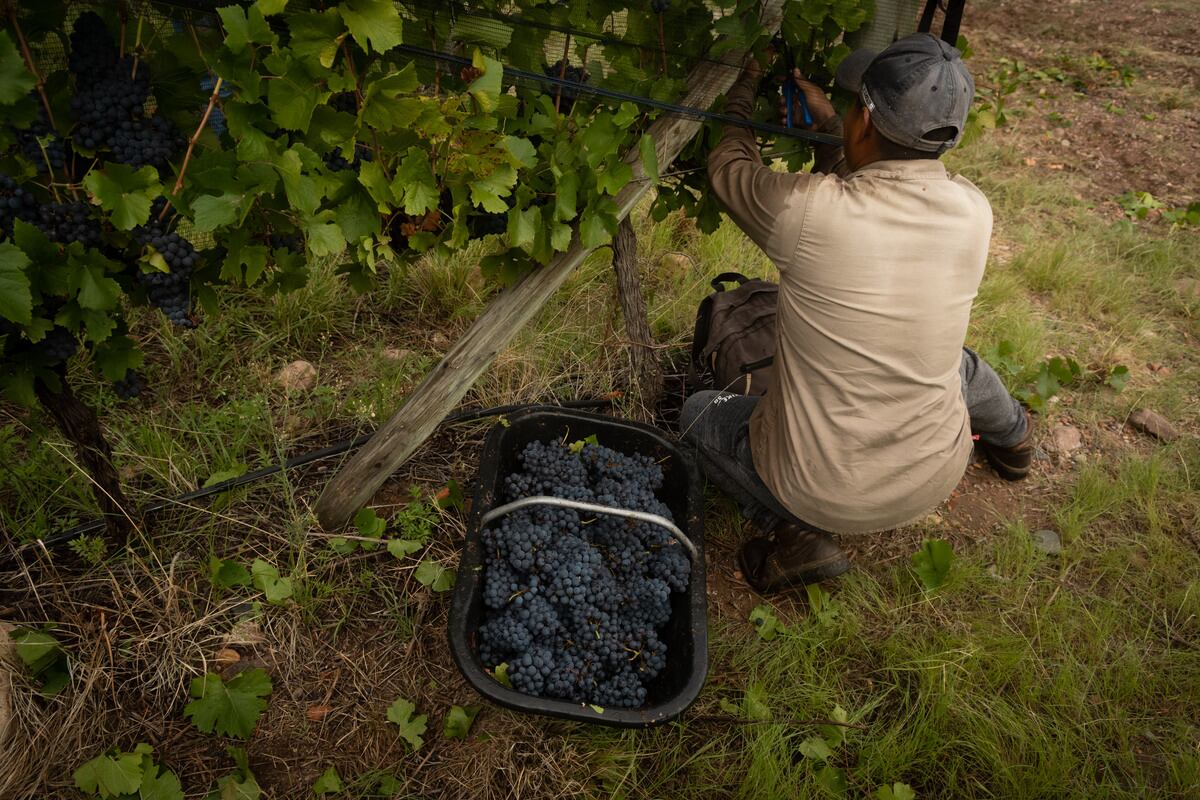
756, 197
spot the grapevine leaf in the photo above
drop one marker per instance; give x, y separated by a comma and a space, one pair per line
565, 200
315, 37
116, 356
486, 88
766, 623
110, 775
458, 722
522, 226
522, 150
98, 324
434, 575
560, 236
649, 156
160, 783
229, 709
383, 106
357, 216
371, 177
415, 183
374, 24
226, 574
266, 577
15, 79
500, 673
835, 734
214, 212
16, 301
325, 238
96, 290
599, 223
271, 7
251, 256
329, 782
932, 562
124, 192
38, 650
614, 177
244, 27
302, 191
17, 385
487, 191
293, 96
411, 727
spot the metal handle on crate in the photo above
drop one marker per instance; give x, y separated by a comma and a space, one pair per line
595, 508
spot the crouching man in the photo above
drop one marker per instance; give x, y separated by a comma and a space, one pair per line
868, 418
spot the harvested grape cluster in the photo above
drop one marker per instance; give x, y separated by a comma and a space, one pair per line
576, 603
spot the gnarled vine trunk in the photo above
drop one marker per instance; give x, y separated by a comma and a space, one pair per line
645, 374
80, 425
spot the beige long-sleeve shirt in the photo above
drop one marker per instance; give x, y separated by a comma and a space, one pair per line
863, 427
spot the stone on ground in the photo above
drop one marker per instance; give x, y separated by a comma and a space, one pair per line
1153, 424
297, 376
1065, 439
1048, 542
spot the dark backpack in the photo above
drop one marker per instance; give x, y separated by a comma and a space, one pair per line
734, 341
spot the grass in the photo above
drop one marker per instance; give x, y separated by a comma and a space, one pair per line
1026, 675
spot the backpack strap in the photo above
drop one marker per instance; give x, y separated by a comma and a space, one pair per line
951, 24
718, 283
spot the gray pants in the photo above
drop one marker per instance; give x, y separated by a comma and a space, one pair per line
717, 424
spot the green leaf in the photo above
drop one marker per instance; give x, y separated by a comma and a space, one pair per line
403, 547
159, 783
374, 24
566, 196
226, 574
89, 277
522, 150
228, 709
415, 184
766, 623
832, 780
266, 577
458, 722
487, 191
369, 523
897, 791
15, 80
220, 476
522, 226
301, 189
411, 727
116, 356
271, 7
110, 775
500, 673
835, 734
293, 96
486, 88
124, 192
932, 563
1117, 377
614, 177
38, 650
316, 37
1046, 385
816, 747
434, 575
649, 156
212, 211
596, 228
329, 782
16, 301
324, 237
244, 27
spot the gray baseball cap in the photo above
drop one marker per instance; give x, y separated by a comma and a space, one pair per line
917, 85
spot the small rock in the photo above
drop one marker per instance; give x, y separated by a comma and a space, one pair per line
1065, 439
226, 656
1048, 542
246, 633
298, 375
1153, 424
396, 354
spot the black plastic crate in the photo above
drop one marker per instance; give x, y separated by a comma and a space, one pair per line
686, 635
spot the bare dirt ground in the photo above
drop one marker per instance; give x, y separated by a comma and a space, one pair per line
1126, 116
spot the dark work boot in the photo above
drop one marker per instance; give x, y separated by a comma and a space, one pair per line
1012, 463
797, 556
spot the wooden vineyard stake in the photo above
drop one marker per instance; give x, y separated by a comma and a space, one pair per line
645, 374
441, 390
